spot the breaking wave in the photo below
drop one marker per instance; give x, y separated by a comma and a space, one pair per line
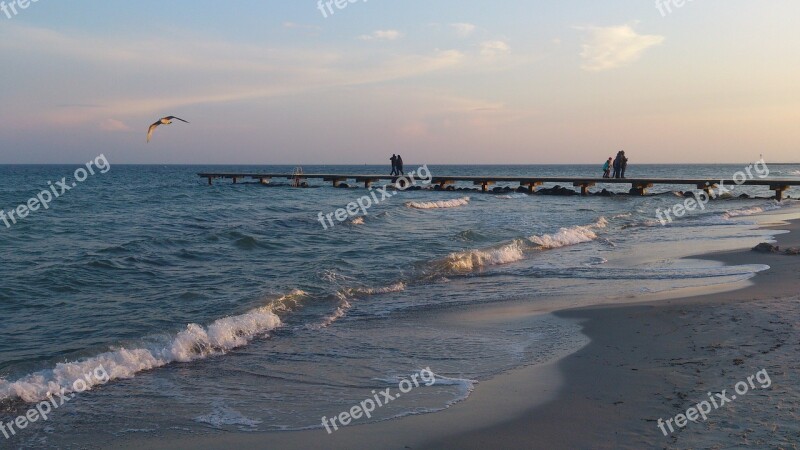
751, 211
455, 203
570, 236
471, 260
193, 343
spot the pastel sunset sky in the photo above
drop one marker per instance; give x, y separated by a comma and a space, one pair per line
444, 81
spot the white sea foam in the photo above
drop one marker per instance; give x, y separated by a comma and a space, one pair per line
352, 292
513, 196
470, 260
465, 386
338, 313
223, 415
751, 211
195, 342
570, 236
455, 203
795, 173
596, 261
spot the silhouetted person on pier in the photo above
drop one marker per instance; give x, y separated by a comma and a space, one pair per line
617, 165
623, 164
607, 168
399, 165
393, 159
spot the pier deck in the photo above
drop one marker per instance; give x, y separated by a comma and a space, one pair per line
639, 185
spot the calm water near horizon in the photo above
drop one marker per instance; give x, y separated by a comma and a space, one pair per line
229, 307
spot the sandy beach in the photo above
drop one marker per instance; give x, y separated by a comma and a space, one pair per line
645, 362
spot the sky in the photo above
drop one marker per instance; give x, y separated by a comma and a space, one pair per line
437, 81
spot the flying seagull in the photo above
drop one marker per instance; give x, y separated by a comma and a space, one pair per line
164, 121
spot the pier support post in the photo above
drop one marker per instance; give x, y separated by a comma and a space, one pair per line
483, 184
641, 188
335, 181
368, 182
444, 183
707, 187
779, 190
234, 180
210, 183
531, 185
584, 187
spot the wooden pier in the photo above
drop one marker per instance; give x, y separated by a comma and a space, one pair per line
638, 185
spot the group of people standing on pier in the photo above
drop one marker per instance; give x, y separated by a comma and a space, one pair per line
619, 164
397, 165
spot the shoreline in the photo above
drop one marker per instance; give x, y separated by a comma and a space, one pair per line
654, 360
612, 390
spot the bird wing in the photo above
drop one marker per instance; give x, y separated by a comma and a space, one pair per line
173, 117
151, 129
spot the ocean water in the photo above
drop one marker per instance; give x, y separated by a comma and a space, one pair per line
230, 307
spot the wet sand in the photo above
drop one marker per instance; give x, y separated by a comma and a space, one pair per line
644, 362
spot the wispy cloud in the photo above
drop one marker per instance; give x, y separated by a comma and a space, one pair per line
300, 26
606, 48
382, 35
114, 125
463, 30
259, 73
491, 49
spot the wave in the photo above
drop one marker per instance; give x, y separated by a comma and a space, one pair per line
338, 313
455, 203
354, 292
193, 343
223, 415
751, 211
596, 261
513, 196
570, 236
345, 295
465, 386
471, 260
795, 173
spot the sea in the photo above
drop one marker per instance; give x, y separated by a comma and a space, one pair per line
142, 301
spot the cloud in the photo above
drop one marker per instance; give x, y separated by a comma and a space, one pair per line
463, 29
606, 48
222, 72
382, 35
491, 49
114, 125
300, 26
